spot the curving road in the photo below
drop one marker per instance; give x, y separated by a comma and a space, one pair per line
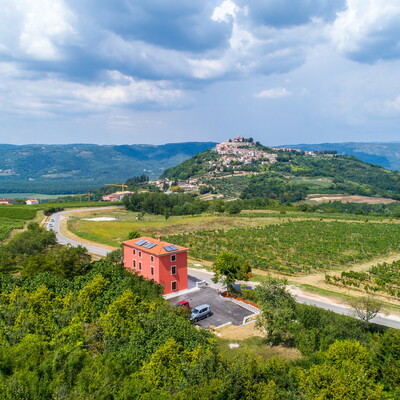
392, 321
55, 224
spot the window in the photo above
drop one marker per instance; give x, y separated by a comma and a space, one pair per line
173, 270
174, 285
151, 258
140, 254
140, 265
173, 257
134, 263
152, 271
133, 251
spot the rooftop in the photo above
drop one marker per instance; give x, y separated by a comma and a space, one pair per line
154, 246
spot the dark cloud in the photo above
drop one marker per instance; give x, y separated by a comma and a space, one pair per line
180, 25
283, 13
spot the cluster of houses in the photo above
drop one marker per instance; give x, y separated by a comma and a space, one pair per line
117, 196
9, 202
239, 151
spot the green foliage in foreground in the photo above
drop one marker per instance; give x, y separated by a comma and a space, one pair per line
70, 329
295, 246
108, 334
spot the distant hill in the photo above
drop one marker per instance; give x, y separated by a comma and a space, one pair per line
386, 155
251, 170
77, 168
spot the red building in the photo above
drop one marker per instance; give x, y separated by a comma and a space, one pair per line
163, 262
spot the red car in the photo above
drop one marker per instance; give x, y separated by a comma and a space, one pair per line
183, 303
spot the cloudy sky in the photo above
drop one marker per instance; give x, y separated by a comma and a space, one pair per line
158, 71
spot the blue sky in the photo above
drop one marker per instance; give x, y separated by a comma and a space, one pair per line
134, 71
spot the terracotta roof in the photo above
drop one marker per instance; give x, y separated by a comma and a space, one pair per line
158, 249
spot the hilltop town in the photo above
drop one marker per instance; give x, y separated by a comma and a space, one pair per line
232, 157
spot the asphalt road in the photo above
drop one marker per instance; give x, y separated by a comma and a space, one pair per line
55, 220
391, 321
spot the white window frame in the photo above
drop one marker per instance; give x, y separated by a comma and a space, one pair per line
172, 285
173, 257
152, 271
134, 263
151, 258
140, 254
140, 266
173, 269
134, 252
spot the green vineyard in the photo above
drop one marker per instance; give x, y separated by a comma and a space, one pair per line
296, 247
7, 225
382, 278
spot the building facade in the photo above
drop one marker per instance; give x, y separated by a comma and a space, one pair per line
160, 261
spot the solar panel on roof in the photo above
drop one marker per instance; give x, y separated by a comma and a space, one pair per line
140, 242
170, 247
149, 245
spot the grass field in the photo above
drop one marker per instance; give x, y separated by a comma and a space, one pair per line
113, 232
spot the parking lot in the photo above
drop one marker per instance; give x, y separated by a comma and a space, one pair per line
223, 310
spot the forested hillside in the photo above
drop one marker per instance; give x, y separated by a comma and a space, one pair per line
76, 168
294, 175
386, 155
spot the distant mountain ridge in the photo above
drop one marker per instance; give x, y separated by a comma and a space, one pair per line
386, 155
76, 168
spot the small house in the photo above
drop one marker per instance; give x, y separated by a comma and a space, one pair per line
163, 262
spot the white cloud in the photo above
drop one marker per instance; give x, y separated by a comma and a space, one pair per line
274, 93
225, 11
368, 30
27, 97
35, 29
393, 104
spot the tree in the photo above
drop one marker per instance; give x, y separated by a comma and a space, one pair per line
278, 310
115, 257
228, 268
347, 373
366, 308
65, 261
134, 234
233, 207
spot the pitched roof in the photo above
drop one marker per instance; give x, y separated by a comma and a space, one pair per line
159, 248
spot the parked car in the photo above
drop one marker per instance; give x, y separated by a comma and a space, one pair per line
183, 303
200, 312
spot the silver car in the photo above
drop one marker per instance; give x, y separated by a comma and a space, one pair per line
200, 312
